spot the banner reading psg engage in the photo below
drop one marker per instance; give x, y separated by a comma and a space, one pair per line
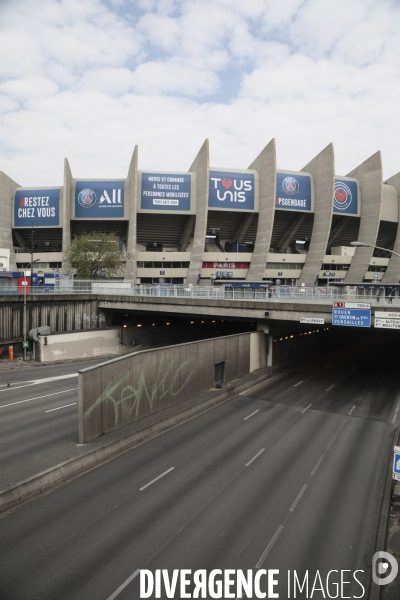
37, 208
99, 199
293, 192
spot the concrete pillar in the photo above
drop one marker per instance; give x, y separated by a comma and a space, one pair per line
322, 168
65, 207
392, 274
369, 176
200, 167
7, 189
131, 211
265, 165
270, 350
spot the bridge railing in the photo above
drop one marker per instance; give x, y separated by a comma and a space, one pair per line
275, 294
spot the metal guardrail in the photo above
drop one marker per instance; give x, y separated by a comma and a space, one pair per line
309, 295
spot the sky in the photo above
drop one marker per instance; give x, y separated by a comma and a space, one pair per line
90, 79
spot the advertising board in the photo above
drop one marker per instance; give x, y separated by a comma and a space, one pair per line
293, 192
37, 208
231, 190
99, 199
165, 191
345, 197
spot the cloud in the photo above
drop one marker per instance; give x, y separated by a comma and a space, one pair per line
89, 80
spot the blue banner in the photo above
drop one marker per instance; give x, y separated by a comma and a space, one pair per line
293, 192
162, 191
345, 198
349, 317
99, 199
37, 208
231, 190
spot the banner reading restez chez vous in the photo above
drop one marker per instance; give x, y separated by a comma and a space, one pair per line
37, 208
293, 192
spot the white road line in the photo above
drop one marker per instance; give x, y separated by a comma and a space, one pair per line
156, 479
306, 408
261, 383
38, 397
254, 457
248, 416
396, 411
317, 465
352, 410
343, 423
303, 489
65, 406
123, 585
329, 388
354, 368
327, 367
331, 442
296, 384
268, 548
37, 382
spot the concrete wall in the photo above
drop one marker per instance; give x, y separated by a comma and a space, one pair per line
78, 344
7, 189
65, 209
132, 387
131, 207
393, 270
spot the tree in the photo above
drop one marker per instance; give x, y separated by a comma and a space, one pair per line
94, 255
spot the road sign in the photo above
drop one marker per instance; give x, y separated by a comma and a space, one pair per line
396, 463
387, 323
383, 314
329, 273
314, 320
25, 344
376, 275
351, 317
363, 305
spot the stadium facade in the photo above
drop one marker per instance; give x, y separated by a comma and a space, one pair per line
254, 223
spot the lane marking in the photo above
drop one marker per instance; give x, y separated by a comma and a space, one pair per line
331, 442
65, 406
329, 388
38, 397
123, 585
327, 367
254, 457
317, 465
396, 411
37, 382
156, 479
248, 416
303, 489
261, 383
306, 408
296, 384
268, 548
354, 368
352, 409
343, 423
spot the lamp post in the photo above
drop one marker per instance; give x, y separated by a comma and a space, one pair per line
24, 342
365, 245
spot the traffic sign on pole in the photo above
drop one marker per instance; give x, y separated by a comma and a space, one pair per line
348, 317
363, 305
396, 463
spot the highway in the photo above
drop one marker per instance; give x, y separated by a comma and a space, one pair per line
289, 475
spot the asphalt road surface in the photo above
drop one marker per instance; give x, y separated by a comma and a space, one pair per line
289, 475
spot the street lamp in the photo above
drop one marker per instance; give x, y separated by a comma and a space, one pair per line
365, 245
24, 342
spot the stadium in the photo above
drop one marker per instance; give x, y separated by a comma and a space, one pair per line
251, 224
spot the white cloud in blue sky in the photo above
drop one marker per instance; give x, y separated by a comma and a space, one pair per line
89, 79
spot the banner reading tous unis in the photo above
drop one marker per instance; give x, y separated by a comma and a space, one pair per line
345, 198
99, 199
165, 191
37, 208
293, 192
231, 190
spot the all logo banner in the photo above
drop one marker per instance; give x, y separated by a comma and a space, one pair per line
231, 190
99, 199
293, 192
345, 198
37, 208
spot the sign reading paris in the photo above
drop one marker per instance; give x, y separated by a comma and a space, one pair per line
99, 199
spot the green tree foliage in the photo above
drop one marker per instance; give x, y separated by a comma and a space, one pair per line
95, 255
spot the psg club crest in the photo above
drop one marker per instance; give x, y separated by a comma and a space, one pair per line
342, 197
290, 186
87, 198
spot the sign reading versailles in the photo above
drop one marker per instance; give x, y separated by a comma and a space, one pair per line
163, 191
293, 192
37, 208
99, 199
231, 190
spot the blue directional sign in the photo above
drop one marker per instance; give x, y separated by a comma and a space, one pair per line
351, 317
396, 461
